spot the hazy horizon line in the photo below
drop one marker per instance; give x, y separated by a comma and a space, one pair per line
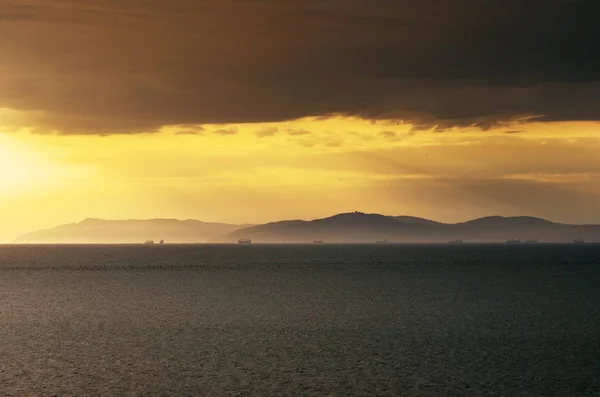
236, 223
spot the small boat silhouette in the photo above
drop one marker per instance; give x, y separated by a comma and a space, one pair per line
244, 241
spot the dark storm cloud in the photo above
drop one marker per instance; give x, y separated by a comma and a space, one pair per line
136, 65
189, 130
16, 12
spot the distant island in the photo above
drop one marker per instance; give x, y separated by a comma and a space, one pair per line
376, 228
354, 227
100, 231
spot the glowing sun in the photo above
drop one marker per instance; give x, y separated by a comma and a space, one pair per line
19, 166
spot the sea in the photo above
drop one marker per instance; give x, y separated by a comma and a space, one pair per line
300, 320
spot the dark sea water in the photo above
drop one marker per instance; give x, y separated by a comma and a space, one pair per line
314, 320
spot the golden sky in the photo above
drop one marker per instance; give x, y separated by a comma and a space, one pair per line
306, 168
221, 110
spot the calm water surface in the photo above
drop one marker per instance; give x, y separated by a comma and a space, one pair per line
300, 320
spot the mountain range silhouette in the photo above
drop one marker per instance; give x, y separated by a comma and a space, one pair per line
355, 227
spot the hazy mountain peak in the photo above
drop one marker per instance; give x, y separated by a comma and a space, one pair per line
91, 220
413, 220
354, 215
529, 220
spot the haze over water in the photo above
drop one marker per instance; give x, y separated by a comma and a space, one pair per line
289, 320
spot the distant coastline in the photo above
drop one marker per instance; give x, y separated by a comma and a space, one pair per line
354, 227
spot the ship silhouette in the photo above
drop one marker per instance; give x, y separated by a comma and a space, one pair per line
244, 241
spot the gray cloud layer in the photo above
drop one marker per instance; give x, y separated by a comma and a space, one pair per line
128, 66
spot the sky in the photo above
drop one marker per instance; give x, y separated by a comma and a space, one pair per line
259, 110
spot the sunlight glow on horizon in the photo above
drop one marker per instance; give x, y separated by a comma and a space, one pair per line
307, 168
29, 168
19, 166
